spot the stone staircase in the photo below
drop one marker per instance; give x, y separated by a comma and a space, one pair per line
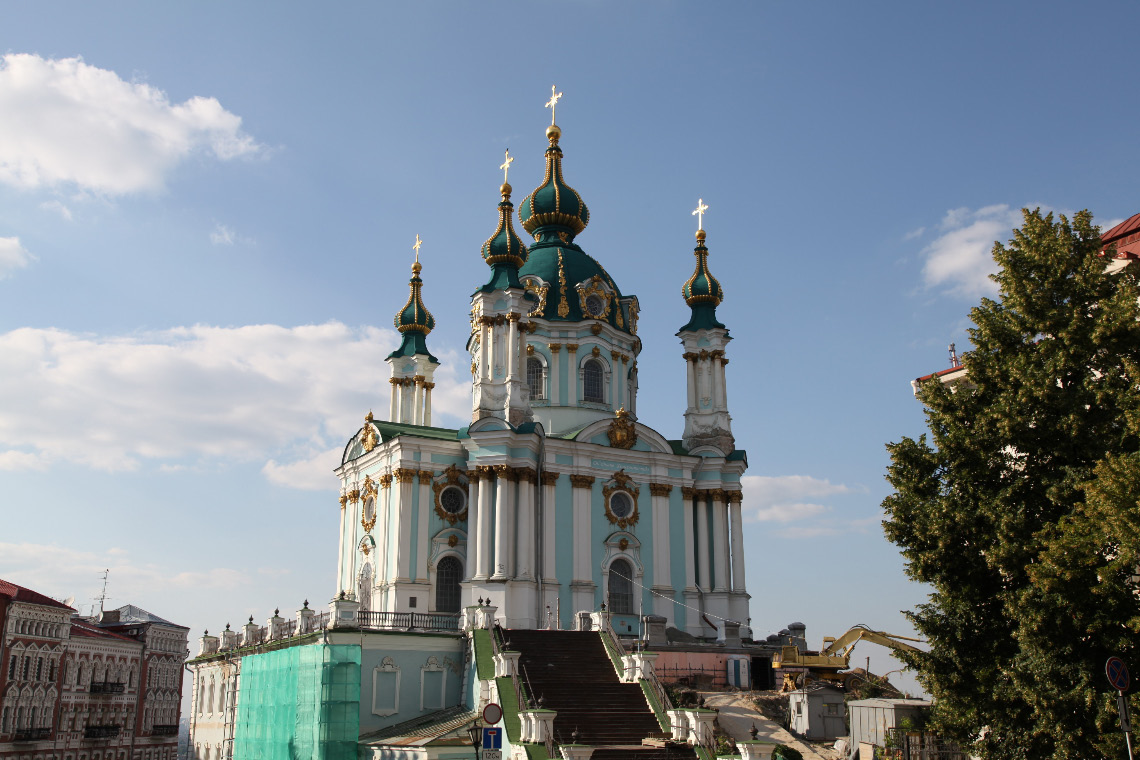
573, 674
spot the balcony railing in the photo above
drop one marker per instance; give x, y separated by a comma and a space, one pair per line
101, 732
170, 730
422, 621
107, 687
31, 734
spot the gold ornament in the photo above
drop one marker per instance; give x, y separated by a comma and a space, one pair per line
623, 431
451, 477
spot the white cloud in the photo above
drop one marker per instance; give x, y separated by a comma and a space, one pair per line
284, 397
13, 256
222, 235
959, 258
915, 233
312, 474
800, 505
57, 207
67, 123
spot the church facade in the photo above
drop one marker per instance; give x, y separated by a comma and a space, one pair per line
556, 498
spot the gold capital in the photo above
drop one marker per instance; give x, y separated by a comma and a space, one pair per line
660, 489
549, 478
582, 481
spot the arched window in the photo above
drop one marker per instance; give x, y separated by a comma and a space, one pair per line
535, 379
448, 573
621, 587
592, 384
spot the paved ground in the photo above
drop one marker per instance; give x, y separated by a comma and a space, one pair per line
738, 715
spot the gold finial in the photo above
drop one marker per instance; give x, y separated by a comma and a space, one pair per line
699, 213
554, 97
368, 417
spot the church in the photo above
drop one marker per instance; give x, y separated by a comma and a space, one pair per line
555, 546
556, 498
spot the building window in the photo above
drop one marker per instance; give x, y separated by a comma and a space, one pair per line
535, 379
448, 574
11, 666
592, 384
621, 587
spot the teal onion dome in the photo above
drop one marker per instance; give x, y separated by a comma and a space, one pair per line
414, 321
554, 206
702, 292
504, 251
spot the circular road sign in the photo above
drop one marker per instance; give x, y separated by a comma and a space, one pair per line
492, 713
1117, 673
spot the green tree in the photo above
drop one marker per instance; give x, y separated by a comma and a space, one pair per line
1012, 509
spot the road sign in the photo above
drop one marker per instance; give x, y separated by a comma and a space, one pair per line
492, 714
492, 739
1117, 673
1125, 716
492, 754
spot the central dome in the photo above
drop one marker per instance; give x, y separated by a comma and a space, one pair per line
554, 204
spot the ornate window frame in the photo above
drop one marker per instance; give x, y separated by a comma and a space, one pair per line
432, 666
621, 483
387, 665
452, 477
539, 288
595, 286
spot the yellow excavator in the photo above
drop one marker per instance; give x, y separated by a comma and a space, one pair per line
835, 656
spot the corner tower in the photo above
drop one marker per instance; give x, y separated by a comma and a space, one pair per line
413, 366
704, 338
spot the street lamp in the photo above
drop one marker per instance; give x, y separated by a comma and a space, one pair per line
475, 733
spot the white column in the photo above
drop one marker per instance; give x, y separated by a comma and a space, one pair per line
555, 363
402, 539
703, 541
720, 541
737, 543
723, 381
471, 566
504, 523
340, 555
524, 569
691, 379
418, 402
512, 347
394, 405
486, 489
424, 509
550, 536
690, 541
485, 368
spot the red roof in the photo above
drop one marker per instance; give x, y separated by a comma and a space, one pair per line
941, 372
20, 594
1126, 236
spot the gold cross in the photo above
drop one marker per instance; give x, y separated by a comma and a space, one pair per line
416, 247
554, 96
506, 165
700, 213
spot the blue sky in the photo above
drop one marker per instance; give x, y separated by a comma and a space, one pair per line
207, 212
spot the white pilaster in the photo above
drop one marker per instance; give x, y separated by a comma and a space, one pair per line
340, 553
555, 372
720, 546
738, 582
383, 550
394, 406
504, 523
549, 538
486, 489
525, 565
474, 536
402, 511
582, 490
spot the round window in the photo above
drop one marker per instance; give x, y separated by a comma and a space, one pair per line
621, 505
595, 305
452, 500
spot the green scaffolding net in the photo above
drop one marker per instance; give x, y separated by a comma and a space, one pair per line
300, 703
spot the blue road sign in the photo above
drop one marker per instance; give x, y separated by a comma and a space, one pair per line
1117, 673
492, 738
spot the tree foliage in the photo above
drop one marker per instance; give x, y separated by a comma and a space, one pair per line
1021, 507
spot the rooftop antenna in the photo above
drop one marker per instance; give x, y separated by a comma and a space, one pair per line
954, 357
103, 594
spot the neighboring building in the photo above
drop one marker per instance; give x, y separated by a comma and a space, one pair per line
818, 712
72, 688
1126, 239
557, 511
872, 720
